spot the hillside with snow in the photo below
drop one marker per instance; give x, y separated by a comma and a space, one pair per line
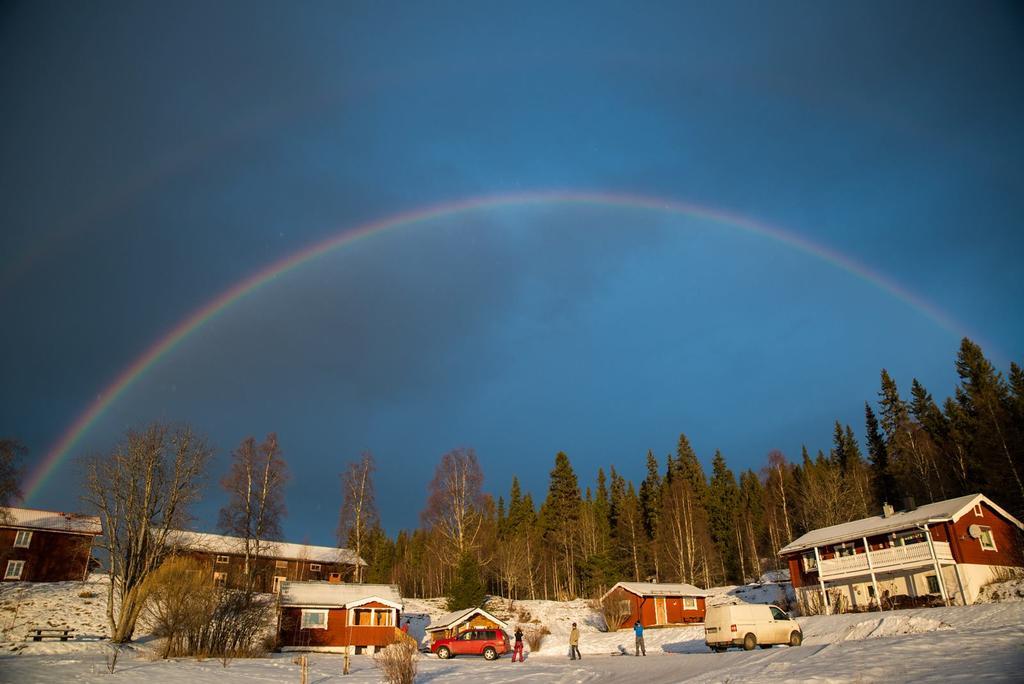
981, 642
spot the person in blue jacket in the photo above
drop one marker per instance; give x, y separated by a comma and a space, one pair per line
638, 630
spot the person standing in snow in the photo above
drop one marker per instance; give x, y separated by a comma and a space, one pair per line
518, 650
638, 630
405, 627
574, 644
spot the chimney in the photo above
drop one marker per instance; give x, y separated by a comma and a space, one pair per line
908, 503
887, 510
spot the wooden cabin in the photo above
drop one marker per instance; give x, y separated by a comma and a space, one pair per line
323, 616
657, 604
46, 546
943, 551
277, 561
453, 624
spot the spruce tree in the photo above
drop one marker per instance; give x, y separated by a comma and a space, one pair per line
878, 454
722, 505
467, 587
650, 496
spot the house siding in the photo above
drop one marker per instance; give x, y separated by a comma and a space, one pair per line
265, 569
1007, 537
338, 633
644, 609
50, 557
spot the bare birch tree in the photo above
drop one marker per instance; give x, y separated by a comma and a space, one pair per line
358, 509
455, 505
142, 491
255, 487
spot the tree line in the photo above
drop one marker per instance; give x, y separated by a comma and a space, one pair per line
682, 524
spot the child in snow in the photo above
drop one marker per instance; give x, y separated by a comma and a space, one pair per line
574, 644
518, 650
638, 630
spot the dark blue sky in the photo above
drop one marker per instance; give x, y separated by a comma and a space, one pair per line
152, 155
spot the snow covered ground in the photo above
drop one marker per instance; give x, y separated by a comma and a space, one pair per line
982, 642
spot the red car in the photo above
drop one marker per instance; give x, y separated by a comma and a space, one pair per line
490, 643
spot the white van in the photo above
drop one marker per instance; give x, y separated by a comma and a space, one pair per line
749, 625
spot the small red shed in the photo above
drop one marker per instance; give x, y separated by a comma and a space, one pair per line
657, 604
326, 616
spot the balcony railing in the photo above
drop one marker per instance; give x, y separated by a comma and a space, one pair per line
885, 560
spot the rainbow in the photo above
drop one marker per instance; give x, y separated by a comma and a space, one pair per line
74, 433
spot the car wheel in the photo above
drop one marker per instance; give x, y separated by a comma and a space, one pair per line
796, 638
490, 653
444, 653
749, 642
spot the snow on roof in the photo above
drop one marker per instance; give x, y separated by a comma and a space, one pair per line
659, 589
220, 543
53, 520
451, 619
334, 595
949, 509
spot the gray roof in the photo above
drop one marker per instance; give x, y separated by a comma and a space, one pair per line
659, 589
221, 543
31, 518
451, 619
939, 511
335, 595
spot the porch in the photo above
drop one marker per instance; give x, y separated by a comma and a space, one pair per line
884, 560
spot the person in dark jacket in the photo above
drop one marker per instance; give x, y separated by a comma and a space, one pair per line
518, 649
638, 630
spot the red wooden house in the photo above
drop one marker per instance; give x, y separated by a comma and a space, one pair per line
277, 562
947, 549
46, 546
323, 616
656, 604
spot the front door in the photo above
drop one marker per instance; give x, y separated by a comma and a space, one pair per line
660, 614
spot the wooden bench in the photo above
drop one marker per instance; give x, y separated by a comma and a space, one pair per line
40, 633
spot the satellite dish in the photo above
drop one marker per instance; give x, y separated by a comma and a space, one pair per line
974, 531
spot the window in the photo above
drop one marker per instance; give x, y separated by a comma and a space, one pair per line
871, 590
810, 562
467, 636
689, 603
844, 549
988, 542
22, 539
382, 618
905, 538
362, 617
978, 513
277, 583
281, 564
933, 584
14, 569
778, 614
220, 579
314, 619
314, 567
223, 559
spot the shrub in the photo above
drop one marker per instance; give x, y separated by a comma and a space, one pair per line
614, 610
196, 618
87, 594
534, 634
398, 662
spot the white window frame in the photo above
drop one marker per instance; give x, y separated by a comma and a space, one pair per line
281, 565
11, 565
928, 582
844, 549
315, 567
22, 539
689, 603
978, 512
223, 559
220, 579
278, 579
393, 620
991, 539
313, 611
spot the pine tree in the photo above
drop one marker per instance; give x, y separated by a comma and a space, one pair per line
878, 454
561, 514
467, 588
650, 495
722, 505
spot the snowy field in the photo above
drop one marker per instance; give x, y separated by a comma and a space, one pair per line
974, 643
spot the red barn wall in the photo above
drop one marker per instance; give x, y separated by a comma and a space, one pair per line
50, 557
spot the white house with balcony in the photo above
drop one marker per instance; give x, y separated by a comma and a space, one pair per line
947, 550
